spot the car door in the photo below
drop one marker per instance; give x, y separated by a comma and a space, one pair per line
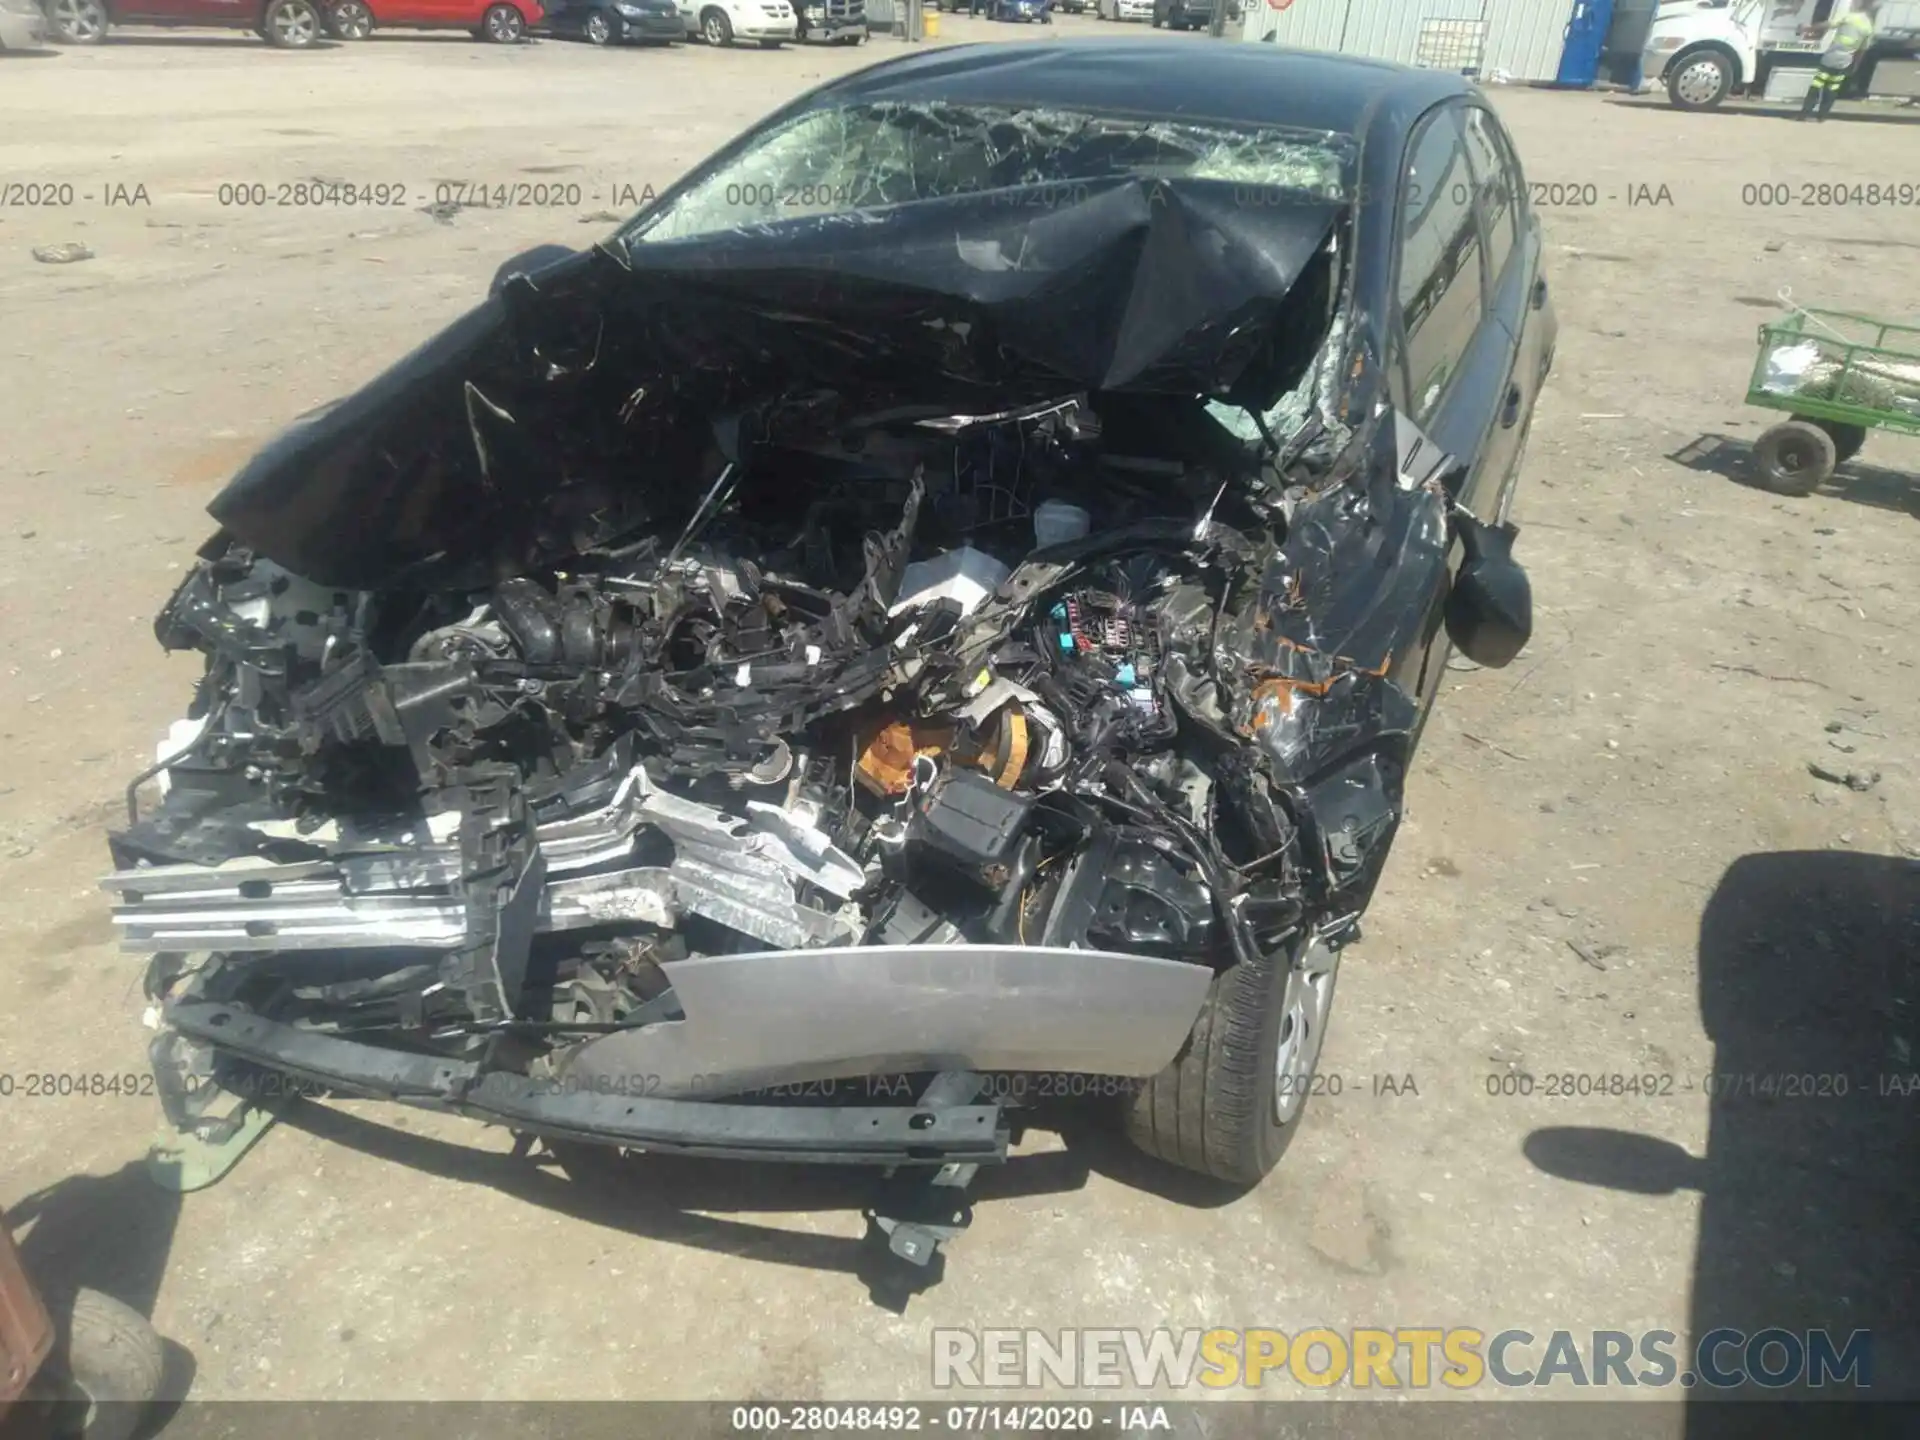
203, 12
1455, 356
1452, 357
1518, 297
1499, 218
417, 14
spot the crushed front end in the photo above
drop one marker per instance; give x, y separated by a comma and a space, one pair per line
730, 695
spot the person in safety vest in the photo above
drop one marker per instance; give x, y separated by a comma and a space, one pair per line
1847, 41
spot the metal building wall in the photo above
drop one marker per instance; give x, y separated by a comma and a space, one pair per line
1523, 37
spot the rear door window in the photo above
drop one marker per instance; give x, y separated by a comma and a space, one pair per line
1496, 187
1441, 287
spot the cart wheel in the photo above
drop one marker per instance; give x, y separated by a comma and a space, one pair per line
1794, 458
110, 1366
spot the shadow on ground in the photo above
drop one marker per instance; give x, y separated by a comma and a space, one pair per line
1810, 991
1898, 115
701, 1203
449, 36
1856, 481
204, 40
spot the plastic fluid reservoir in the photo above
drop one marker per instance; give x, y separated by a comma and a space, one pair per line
1055, 522
966, 575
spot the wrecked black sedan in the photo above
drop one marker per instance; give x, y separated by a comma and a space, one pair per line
947, 593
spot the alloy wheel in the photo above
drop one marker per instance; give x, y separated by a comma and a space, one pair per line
293, 26
352, 20
598, 31
80, 21
1304, 1007
504, 25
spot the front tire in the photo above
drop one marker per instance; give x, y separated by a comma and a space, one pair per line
78, 22
292, 24
504, 25
1231, 1101
597, 30
716, 27
350, 20
1700, 81
1794, 458
110, 1361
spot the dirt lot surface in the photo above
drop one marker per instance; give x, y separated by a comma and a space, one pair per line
1616, 861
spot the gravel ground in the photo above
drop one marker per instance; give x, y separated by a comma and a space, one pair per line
1616, 860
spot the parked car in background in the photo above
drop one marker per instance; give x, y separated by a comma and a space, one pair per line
1192, 14
614, 22
1041, 10
837, 22
501, 21
720, 22
1123, 9
288, 24
22, 25
1071, 7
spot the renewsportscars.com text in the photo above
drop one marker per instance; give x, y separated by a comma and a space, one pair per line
1397, 1358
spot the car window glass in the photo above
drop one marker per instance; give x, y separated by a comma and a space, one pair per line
1494, 183
1440, 299
869, 156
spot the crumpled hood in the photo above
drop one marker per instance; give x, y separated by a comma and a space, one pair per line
1130, 284
546, 412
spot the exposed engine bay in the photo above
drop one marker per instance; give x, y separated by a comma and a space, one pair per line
816, 714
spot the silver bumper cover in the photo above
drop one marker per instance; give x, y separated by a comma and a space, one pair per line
803, 1017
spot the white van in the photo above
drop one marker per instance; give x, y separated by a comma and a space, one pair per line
770, 22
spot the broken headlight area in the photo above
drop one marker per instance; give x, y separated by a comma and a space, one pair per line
696, 754
629, 690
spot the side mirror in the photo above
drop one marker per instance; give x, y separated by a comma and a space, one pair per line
1490, 609
1615, 1159
528, 262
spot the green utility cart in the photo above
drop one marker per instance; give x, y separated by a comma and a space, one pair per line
1838, 375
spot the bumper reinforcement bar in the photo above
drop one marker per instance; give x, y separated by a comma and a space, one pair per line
926, 1134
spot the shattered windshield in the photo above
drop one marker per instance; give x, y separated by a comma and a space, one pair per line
864, 157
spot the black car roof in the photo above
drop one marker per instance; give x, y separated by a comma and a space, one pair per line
1232, 82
